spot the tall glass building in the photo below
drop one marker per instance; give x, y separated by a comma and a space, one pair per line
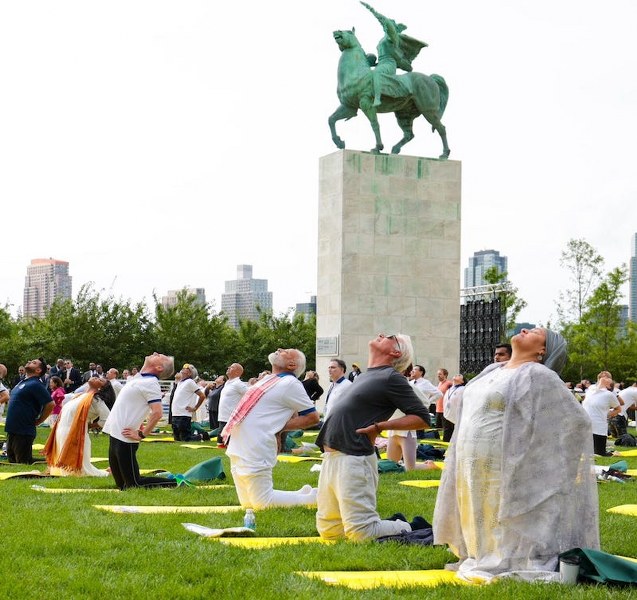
244, 297
47, 279
633, 279
479, 263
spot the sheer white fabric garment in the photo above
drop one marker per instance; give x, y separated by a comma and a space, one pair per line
518, 486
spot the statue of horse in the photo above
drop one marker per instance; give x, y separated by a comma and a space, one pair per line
407, 96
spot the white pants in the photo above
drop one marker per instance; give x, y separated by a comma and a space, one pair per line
347, 499
256, 490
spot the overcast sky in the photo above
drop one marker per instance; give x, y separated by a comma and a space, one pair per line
156, 145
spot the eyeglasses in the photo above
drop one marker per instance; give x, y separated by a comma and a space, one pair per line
393, 337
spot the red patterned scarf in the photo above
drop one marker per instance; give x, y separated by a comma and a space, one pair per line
248, 402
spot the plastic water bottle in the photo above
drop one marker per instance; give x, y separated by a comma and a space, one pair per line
249, 520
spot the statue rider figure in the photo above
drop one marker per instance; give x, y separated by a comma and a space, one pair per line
395, 51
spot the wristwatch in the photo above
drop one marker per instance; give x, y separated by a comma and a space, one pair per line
140, 433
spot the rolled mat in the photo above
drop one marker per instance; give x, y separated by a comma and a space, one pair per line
147, 510
422, 483
624, 509
23, 475
46, 490
196, 446
366, 580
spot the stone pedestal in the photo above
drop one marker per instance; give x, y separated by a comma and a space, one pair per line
388, 257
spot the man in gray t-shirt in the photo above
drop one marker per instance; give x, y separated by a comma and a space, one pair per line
349, 474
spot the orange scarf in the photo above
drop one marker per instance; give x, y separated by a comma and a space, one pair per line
71, 455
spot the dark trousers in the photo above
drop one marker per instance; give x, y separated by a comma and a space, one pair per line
20, 448
122, 458
213, 418
220, 440
447, 428
599, 445
182, 429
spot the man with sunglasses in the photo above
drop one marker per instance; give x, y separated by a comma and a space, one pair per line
349, 475
29, 405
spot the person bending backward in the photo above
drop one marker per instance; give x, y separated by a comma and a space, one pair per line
349, 475
29, 405
139, 399
518, 486
276, 403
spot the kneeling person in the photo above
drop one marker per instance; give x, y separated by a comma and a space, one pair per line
349, 475
276, 403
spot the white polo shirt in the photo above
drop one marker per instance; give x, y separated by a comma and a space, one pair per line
231, 393
132, 406
185, 397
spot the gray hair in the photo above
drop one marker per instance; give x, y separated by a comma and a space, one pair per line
300, 368
406, 352
168, 367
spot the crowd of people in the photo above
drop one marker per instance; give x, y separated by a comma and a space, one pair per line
502, 508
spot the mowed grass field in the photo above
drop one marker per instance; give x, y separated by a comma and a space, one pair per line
61, 546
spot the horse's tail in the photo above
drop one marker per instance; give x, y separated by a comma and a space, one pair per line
444, 92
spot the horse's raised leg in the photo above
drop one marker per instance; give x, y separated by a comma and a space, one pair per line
405, 122
342, 112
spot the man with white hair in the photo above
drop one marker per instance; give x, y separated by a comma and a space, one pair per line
349, 475
186, 402
134, 416
278, 402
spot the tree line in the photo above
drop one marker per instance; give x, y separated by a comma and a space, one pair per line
117, 333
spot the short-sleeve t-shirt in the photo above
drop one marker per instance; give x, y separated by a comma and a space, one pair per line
27, 400
373, 397
132, 405
597, 404
185, 396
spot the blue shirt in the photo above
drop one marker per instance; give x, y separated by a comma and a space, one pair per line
27, 400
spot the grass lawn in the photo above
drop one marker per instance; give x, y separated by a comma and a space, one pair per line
60, 546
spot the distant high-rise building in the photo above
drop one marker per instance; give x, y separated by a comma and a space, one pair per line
245, 297
170, 299
633, 279
307, 308
47, 279
479, 263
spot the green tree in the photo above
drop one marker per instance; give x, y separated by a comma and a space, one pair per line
584, 266
509, 298
256, 339
192, 333
599, 341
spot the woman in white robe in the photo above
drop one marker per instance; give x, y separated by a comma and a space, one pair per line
518, 486
68, 449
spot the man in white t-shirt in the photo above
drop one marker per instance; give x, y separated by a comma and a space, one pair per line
231, 394
187, 399
619, 424
600, 405
279, 403
113, 375
139, 400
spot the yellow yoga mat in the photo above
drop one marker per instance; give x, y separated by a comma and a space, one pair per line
366, 580
147, 510
23, 475
632, 472
158, 439
95, 459
287, 458
624, 509
269, 542
46, 490
196, 446
38, 446
422, 483
622, 453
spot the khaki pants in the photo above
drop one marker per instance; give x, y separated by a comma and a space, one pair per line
347, 499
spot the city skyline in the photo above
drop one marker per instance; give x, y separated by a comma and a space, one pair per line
184, 167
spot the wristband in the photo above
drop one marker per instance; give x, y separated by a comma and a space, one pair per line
140, 433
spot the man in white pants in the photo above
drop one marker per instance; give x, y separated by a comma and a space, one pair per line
349, 475
278, 402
